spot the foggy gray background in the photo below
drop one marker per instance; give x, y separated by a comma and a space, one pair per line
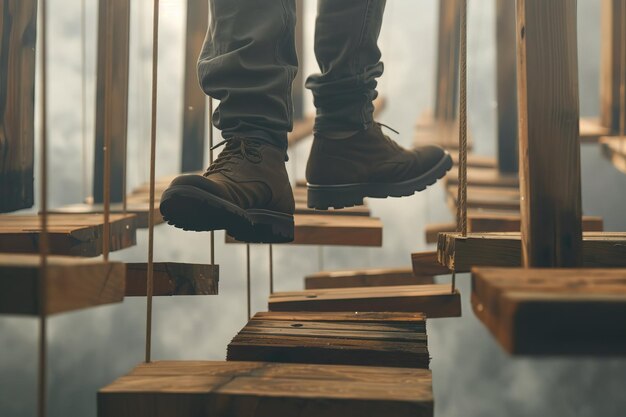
472, 375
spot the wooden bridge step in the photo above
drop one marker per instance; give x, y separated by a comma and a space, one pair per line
600, 250
591, 130
553, 311
333, 341
614, 148
75, 235
377, 277
433, 300
140, 209
486, 177
172, 278
487, 198
71, 284
476, 161
427, 263
247, 389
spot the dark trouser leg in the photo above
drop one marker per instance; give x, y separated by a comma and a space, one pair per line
346, 48
248, 62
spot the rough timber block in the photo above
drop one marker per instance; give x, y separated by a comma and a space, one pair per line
140, 209
335, 340
75, 235
427, 263
434, 301
378, 277
591, 130
553, 311
71, 284
600, 250
257, 389
614, 149
172, 279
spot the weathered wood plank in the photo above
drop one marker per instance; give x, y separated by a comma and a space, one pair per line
71, 284
18, 35
427, 263
363, 317
365, 278
553, 311
135, 206
172, 278
249, 389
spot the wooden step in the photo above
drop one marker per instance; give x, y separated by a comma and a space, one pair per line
335, 230
486, 177
249, 389
600, 250
591, 130
427, 263
486, 198
431, 232
75, 235
553, 311
71, 284
614, 148
377, 277
336, 340
433, 300
140, 209
476, 161
172, 278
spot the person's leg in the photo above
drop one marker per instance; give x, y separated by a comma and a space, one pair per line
346, 48
248, 62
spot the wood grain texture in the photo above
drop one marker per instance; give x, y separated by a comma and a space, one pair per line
600, 250
332, 341
427, 263
18, 35
71, 284
553, 311
75, 235
172, 278
550, 183
434, 301
362, 317
376, 277
250, 389
610, 68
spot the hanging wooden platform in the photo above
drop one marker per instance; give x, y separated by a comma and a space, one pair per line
614, 148
600, 250
336, 340
486, 198
375, 277
71, 284
476, 161
485, 177
427, 263
429, 131
75, 235
433, 300
140, 209
591, 130
172, 278
256, 389
553, 311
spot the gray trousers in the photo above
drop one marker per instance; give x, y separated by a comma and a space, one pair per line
249, 61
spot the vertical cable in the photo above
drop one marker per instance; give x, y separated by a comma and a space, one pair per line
83, 56
462, 191
211, 162
150, 280
106, 233
271, 269
248, 280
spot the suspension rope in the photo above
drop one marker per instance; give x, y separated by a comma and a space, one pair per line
271, 269
150, 280
248, 276
106, 189
211, 162
83, 55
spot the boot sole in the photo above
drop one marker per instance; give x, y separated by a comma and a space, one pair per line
190, 208
322, 197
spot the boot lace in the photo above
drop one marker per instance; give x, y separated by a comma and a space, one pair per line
390, 141
236, 148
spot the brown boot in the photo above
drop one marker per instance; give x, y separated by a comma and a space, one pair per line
341, 172
246, 191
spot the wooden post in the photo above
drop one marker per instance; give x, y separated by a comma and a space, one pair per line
18, 34
506, 62
194, 100
298, 83
549, 130
447, 82
612, 44
112, 91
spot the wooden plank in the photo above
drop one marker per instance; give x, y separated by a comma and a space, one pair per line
499, 222
402, 344
427, 263
377, 277
71, 284
600, 250
476, 161
18, 20
136, 207
335, 231
363, 317
483, 177
194, 100
614, 149
432, 231
250, 389
553, 311
550, 184
172, 278
486, 198
433, 300
112, 95
75, 235
591, 130
610, 68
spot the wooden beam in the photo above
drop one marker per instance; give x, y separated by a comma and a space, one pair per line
377, 277
332, 341
610, 69
194, 99
446, 84
71, 284
553, 311
172, 278
225, 389
18, 20
600, 250
112, 95
434, 301
427, 263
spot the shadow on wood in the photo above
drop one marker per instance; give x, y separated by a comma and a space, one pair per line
172, 279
